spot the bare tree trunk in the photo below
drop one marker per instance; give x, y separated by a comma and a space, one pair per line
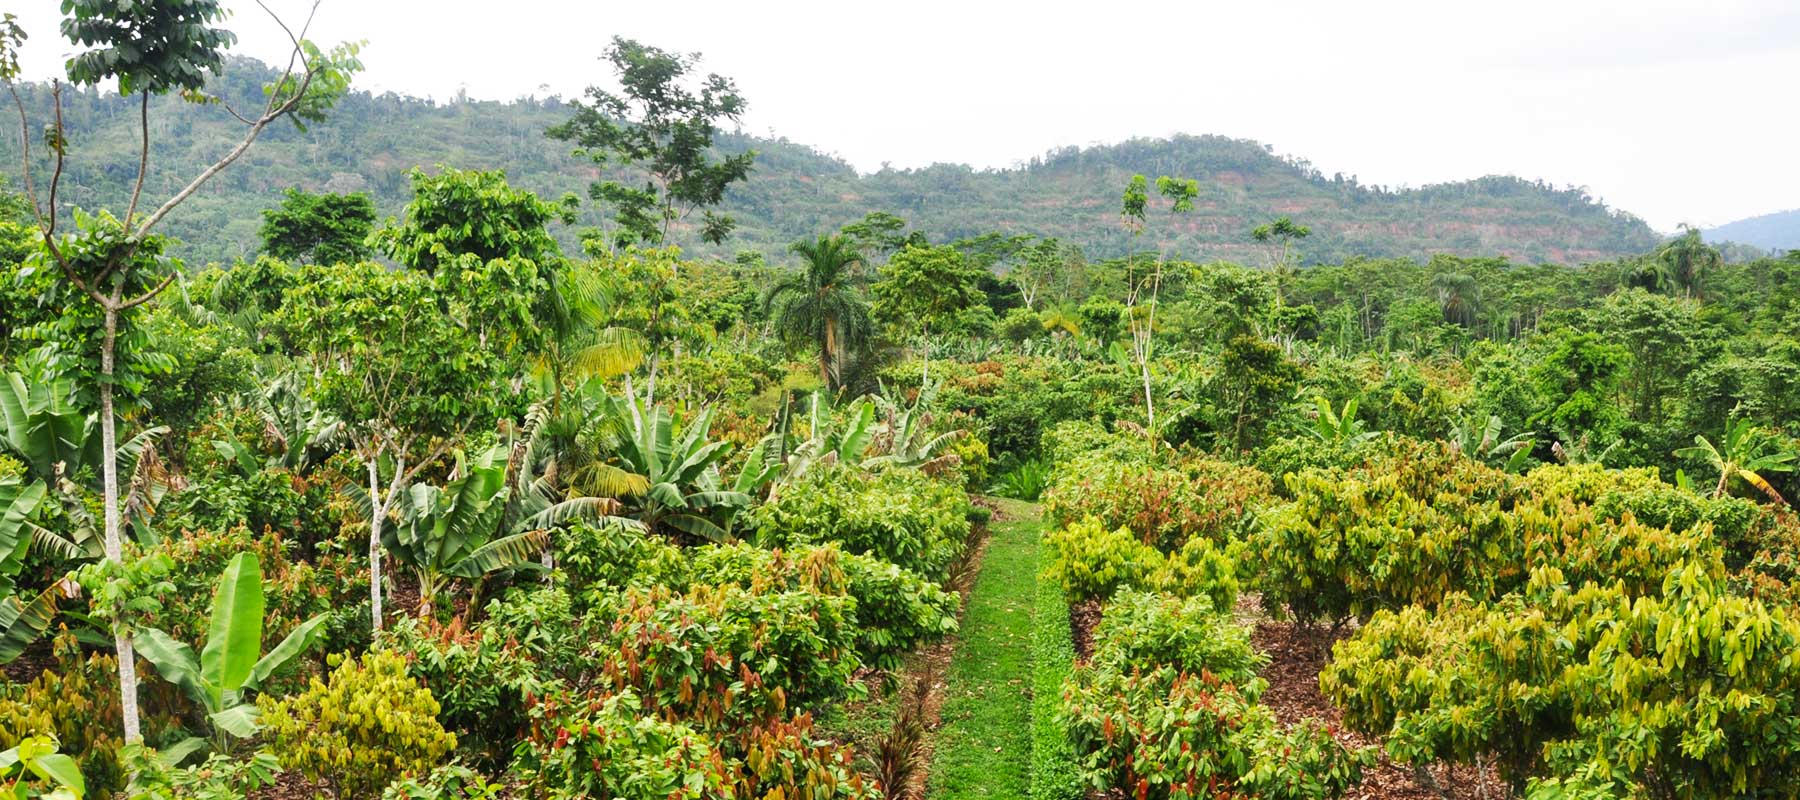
377, 514
114, 545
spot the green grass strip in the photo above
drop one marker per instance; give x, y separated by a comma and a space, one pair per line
1054, 775
983, 746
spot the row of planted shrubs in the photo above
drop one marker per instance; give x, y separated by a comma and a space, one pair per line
1587, 632
639, 669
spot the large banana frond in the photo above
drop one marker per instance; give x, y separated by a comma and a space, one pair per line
23, 621
508, 552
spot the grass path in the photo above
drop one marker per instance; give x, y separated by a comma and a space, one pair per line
983, 745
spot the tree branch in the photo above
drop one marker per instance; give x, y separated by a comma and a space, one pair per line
137, 189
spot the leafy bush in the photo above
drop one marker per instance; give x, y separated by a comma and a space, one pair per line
1026, 481
480, 678
1685, 692
898, 515
615, 746
602, 560
727, 657
368, 725
1164, 505
1414, 528
77, 702
1189, 634
1090, 562
1167, 709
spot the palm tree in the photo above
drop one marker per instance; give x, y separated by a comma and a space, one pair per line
1746, 454
819, 305
1688, 258
1459, 296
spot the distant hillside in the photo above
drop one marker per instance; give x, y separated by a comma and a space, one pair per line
796, 191
1777, 231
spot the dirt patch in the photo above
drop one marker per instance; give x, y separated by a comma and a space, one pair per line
1296, 654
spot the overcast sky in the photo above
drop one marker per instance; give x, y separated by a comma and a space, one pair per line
1678, 111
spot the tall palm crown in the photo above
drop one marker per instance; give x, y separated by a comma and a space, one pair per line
1687, 258
820, 304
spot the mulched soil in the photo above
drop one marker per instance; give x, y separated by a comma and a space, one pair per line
37, 658
1296, 655
1083, 617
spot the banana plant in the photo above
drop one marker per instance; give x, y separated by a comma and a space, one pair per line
1337, 427
303, 434
231, 663
452, 532
1481, 441
42, 427
37, 757
679, 467
22, 621
904, 438
1746, 453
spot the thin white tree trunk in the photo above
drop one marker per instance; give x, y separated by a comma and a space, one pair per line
377, 513
114, 545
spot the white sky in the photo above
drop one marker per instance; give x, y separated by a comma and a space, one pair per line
1676, 110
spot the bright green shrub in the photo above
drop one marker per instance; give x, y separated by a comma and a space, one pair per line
1053, 774
898, 515
601, 561
1200, 569
1685, 692
1165, 505
1189, 634
1089, 562
1081, 437
1413, 531
366, 726
893, 610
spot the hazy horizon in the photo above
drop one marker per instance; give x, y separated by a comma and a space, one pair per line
1656, 108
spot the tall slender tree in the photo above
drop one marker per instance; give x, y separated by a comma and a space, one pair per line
658, 125
820, 305
149, 49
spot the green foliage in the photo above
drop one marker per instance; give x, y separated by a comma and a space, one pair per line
1423, 523
322, 228
1183, 727
219, 777
232, 661
470, 213
616, 747
1091, 562
454, 531
36, 760
152, 48
666, 130
482, 678
925, 289
366, 726
899, 516
76, 703
1164, 505
1684, 692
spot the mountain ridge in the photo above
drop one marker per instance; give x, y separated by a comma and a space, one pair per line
797, 190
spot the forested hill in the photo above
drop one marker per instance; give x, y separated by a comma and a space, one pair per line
795, 191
